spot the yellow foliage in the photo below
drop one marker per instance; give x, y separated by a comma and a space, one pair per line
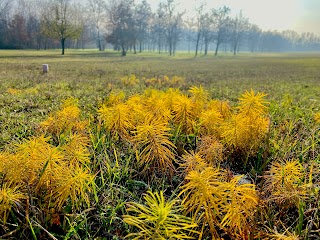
211, 150
157, 107
65, 120
220, 106
158, 219
203, 196
210, 121
156, 150
34, 156
184, 114
75, 150
193, 161
285, 182
115, 98
240, 206
130, 80
10, 196
117, 119
317, 117
253, 104
218, 203
246, 129
71, 182
14, 91
199, 96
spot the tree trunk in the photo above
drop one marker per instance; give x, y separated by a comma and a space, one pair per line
63, 45
217, 48
124, 52
197, 44
134, 46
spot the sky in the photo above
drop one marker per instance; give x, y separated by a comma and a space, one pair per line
298, 15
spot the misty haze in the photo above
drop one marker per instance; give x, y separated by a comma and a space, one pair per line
160, 120
168, 26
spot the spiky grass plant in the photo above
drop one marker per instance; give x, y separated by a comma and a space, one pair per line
240, 207
156, 151
211, 150
65, 120
75, 150
158, 219
222, 107
184, 114
193, 161
203, 197
74, 183
246, 129
286, 182
226, 205
253, 104
117, 119
210, 121
199, 96
10, 197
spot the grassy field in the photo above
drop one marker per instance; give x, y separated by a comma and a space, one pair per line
280, 160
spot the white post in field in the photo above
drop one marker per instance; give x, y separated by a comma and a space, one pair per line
45, 68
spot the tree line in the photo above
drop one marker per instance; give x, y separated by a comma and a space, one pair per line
128, 26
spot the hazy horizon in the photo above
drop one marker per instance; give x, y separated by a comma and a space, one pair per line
298, 15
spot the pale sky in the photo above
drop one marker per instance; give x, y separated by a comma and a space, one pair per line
298, 15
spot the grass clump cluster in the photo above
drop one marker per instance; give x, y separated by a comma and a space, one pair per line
143, 155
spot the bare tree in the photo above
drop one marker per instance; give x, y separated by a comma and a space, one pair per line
200, 24
5, 7
62, 22
238, 28
121, 24
173, 20
97, 9
142, 15
221, 19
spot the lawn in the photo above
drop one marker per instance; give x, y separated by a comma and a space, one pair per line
272, 139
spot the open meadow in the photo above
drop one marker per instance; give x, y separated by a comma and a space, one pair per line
149, 146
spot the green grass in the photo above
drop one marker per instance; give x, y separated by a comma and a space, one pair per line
291, 80
85, 74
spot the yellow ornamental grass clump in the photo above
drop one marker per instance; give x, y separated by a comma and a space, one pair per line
65, 120
240, 207
193, 161
158, 219
211, 150
199, 96
203, 196
218, 203
317, 117
37, 157
156, 151
222, 107
246, 129
10, 197
285, 182
184, 114
115, 98
156, 106
137, 108
253, 104
75, 150
210, 122
14, 91
117, 119
72, 183
130, 80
